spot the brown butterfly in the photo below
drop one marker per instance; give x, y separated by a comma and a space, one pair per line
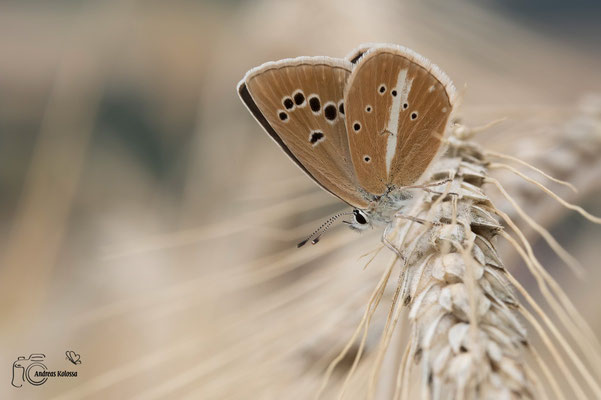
364, 128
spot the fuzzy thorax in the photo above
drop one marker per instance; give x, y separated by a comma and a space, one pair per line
381, 211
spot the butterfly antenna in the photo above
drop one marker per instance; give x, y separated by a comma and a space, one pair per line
324, 227
314, 241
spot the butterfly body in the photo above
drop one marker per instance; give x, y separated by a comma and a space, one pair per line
382, 210
363, 128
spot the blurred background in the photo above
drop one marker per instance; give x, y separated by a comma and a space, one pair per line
149, 224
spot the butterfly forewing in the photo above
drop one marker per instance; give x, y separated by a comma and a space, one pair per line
300, 103
398, 105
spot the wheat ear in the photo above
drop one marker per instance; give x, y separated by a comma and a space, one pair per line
465, 334
467, 340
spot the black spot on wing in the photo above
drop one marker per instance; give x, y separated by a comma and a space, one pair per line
316, 137
315, 104
288, 103
330, 112
299, 98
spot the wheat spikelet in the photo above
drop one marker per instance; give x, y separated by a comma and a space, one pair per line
465, 336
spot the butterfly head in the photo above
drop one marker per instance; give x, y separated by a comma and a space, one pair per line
360, 221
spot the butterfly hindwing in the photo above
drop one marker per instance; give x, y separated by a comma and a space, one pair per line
357, 53
398, 105
299, 102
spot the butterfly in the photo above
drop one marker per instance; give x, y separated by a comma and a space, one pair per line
364, 128
73, 357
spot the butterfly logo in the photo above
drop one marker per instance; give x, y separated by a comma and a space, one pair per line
365, 128
73, 357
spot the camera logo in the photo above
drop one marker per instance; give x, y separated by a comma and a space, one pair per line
31, 369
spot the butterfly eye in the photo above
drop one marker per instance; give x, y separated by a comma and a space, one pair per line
360, 217
367, 159
382, 89
405, 106
356, 126
414, 115
393, 93
368, 109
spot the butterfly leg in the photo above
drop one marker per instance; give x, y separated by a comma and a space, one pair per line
389, 244
425, 188
435, 192
429, 184
418, 220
